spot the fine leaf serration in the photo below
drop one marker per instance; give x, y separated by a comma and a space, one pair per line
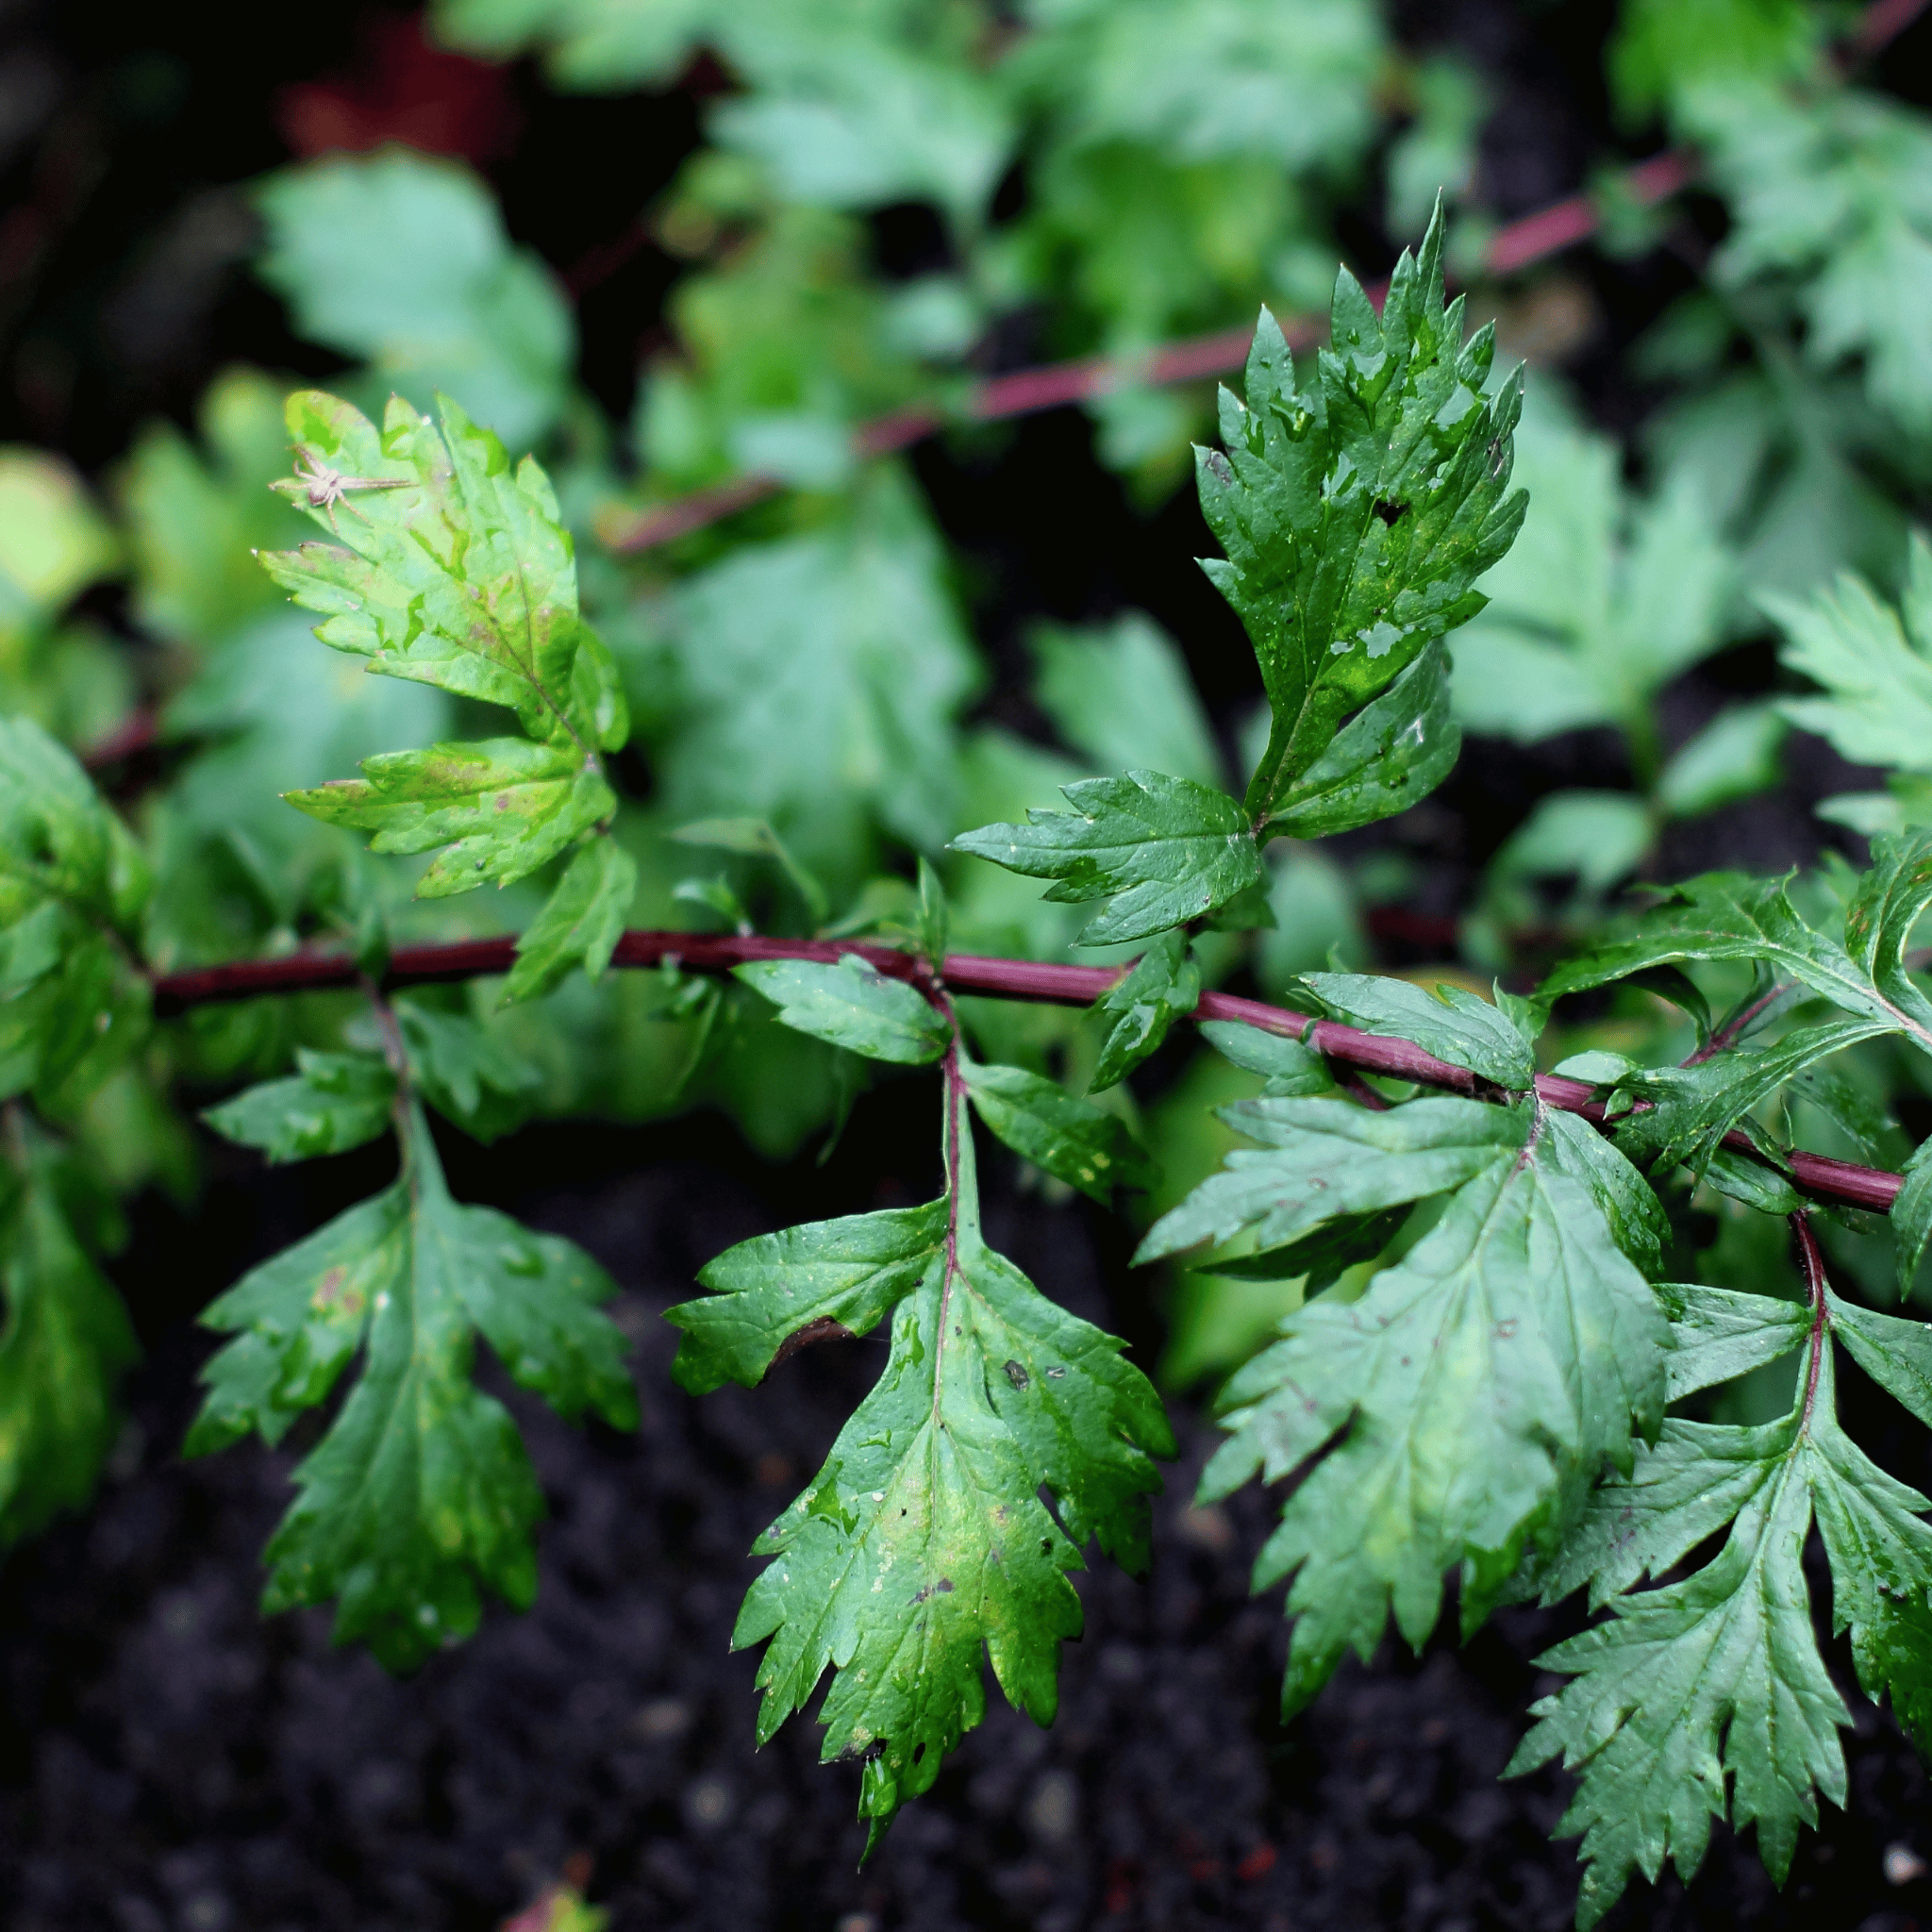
923, 1547
1470, 1396
1707, 1698
420, 1494
1357, 515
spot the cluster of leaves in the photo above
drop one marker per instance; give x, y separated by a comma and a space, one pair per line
1480, 1326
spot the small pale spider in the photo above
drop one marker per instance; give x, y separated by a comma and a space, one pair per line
325, 487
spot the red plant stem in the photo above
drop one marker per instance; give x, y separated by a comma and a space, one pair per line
965, 973
1026, 392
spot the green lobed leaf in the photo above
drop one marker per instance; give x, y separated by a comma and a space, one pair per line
401, 259
1890, 898
1701, 1690
1357, 514
1454, 1024
1163, 984
1876, 669
827, 1276
1725, 915
420, 1495
65, 1341
580, 923
1331, 1158
73, 1005
1629, 1203
1708, 1697
458, 573
1911, 1216
335, 1101
1288, 1067
1692, 1107
923, 1547
1719, 1335
1390, 754
852, 1005
1173, 851
1068, 1136
1895, 1352
498, 808
1470, 1396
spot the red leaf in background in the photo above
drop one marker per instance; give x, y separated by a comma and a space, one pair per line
402, 88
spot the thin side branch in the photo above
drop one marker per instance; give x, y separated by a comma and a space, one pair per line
1036, 980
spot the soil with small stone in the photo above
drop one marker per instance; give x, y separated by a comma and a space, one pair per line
170, 1761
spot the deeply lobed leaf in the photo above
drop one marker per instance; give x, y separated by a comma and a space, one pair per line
1465, 1402
922, 1545
420, 1494
1356, 514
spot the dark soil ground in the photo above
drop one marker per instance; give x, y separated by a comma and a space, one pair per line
170, 1759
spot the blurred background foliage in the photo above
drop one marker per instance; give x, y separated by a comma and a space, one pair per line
678, 247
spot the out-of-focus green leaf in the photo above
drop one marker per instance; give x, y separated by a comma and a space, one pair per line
1121, 695
465, 1073
401, 259
821, 675
1734, 755
196, 515
65, 1341
579, 926
333, 1102
73, 1003
53, 541
1600, 602
1876, 670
